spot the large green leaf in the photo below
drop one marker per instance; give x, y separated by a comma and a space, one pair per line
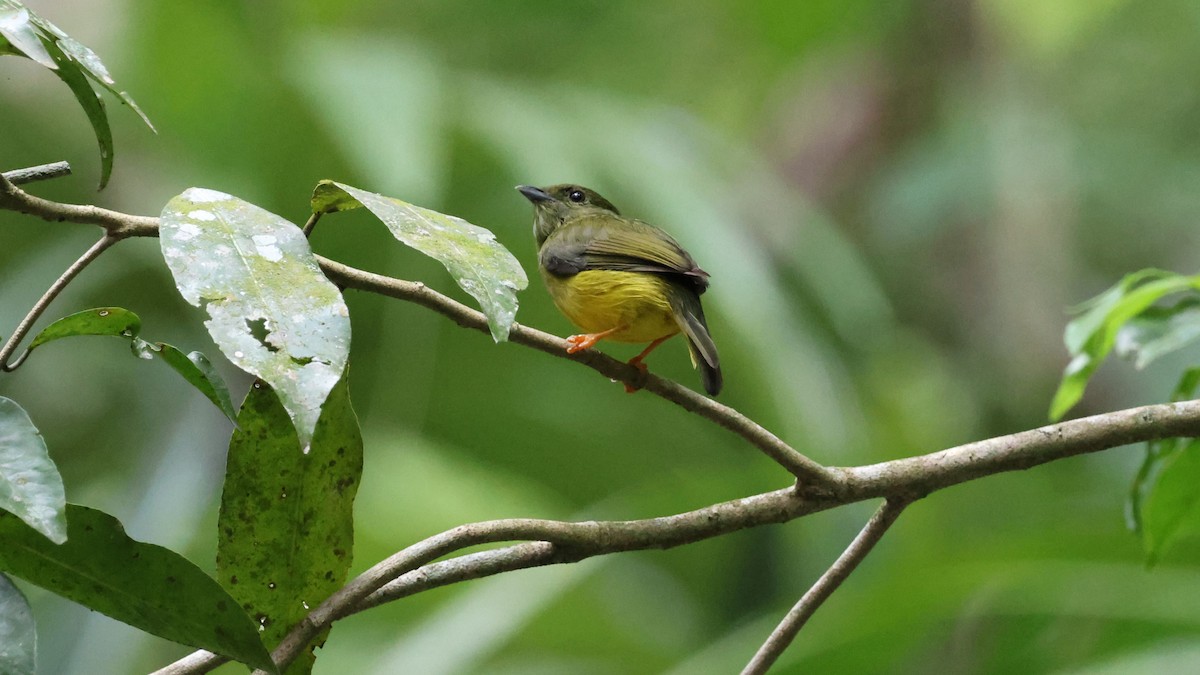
119, 322
18, 632
286, 531
479, 263
146, 586
272, 312
1091, 337
30, 485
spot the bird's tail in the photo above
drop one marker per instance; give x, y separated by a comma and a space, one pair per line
690, 315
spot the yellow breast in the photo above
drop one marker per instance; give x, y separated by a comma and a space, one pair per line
599, 300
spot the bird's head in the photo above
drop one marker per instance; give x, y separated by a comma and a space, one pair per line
557, 204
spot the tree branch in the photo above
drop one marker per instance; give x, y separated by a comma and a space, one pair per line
122, 225
786, 631
35, 173
412, 570
48, 297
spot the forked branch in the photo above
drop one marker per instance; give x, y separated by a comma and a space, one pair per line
899, 482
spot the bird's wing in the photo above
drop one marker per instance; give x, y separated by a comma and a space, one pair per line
627, 246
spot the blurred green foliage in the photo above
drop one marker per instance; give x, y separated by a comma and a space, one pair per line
896, 201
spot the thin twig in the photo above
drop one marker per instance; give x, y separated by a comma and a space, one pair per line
311, 223
841, 568
35, 173
71, 272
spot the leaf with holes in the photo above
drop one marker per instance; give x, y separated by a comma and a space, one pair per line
479, 264
18, 633
286, 528
30, 485
272, 312
146, 586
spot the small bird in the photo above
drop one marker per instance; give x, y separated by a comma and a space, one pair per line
618, 278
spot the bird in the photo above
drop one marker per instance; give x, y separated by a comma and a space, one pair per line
619, 278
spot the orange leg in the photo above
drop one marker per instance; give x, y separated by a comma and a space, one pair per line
579, 343
636, 361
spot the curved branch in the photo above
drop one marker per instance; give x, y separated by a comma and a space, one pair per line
122, 225
786, 631
819, 487
48, 297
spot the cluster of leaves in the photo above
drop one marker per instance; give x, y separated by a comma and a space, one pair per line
295, 459
1147, 315
285, 530
24, 33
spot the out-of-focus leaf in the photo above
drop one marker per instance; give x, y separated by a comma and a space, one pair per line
1091, 336
30, 485
93, 67
1171, 508
19, 32
1157, 333
146, 586
1156, 453
119, 322
479, 264
86, 59
26, 33
273, 313
114, 321
73, 76
18, 632
286, 531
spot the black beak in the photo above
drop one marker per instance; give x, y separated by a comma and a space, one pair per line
533, 194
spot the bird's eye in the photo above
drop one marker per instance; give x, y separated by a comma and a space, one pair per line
577, 196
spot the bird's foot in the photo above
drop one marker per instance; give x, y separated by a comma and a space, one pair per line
578, 343
636, 362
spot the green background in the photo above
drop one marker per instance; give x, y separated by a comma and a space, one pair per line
896, 201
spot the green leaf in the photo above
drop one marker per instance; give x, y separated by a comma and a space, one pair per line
73, 76
199, 371
29, 34
273, 313
1155, 334
479, 264
1157, 453
20, 33
30, 485
113, 321
146, 586
286, 531
1172, 508
1091, 337
119, 322
18, 632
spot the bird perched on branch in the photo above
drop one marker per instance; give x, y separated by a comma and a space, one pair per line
618, 278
